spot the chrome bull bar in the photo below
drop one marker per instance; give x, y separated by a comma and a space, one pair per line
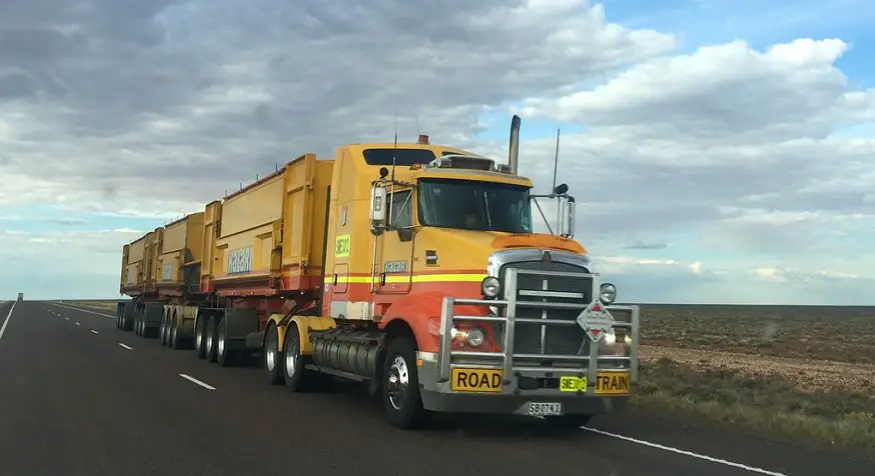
511, 302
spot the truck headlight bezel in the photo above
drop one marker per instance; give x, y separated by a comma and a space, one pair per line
607, 293
490, 287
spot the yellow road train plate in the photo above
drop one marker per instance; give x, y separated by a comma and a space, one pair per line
607, 383
475, 380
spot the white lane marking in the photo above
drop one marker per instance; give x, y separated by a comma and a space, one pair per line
126, 347
94, 331
67, 318
78, 324
89, 312
684, 452
6, 321
194, 380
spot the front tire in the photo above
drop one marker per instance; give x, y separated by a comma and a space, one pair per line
400, 390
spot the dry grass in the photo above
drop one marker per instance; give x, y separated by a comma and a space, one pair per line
768, 403
799, 370
108, 305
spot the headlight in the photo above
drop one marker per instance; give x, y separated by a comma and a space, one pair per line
608, 293
490, 286
475, 337
610, 338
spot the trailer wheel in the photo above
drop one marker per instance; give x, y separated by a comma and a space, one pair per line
175, 341
211, 339
400, 390
138, 324
162, 329
224, 354
273, 360
199, 341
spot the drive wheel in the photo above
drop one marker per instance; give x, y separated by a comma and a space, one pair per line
272, 358
400, 389
297, 377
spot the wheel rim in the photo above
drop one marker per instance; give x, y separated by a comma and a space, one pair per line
397, 382
291, 356
270, 352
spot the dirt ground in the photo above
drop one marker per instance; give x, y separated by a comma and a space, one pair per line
807, 374
835, 333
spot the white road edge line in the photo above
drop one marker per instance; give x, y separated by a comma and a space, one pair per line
6, 321
94, 331
684, 452
196, 381
126, 347
84, 310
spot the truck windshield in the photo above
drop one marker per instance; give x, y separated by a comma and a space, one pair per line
471, 205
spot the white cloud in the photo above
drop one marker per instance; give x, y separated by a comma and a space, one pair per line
694, 170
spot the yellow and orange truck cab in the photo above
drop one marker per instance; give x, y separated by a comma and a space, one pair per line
440, 248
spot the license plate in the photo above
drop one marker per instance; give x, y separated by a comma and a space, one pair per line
544, 409
476, 380
606, 383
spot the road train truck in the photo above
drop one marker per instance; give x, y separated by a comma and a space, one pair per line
413, 268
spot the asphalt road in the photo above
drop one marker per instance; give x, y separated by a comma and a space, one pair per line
78, 397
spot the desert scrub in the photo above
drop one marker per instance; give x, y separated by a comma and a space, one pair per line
767, 402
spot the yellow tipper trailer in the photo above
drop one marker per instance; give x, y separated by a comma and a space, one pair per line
411, 267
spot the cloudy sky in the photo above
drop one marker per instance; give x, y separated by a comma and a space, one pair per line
720, 151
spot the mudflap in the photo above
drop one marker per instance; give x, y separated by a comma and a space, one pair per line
240, 323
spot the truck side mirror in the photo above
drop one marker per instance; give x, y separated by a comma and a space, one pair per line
378, 209
566, 225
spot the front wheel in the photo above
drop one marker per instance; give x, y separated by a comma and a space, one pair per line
400, 390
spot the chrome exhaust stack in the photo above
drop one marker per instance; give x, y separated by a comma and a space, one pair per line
514, 147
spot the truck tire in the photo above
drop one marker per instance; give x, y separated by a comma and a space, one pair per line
299, 378
273, 360
210, 336
200, 343
162, 330
225, 354
175, 340
400, 389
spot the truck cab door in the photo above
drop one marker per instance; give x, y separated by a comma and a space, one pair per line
395, 263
